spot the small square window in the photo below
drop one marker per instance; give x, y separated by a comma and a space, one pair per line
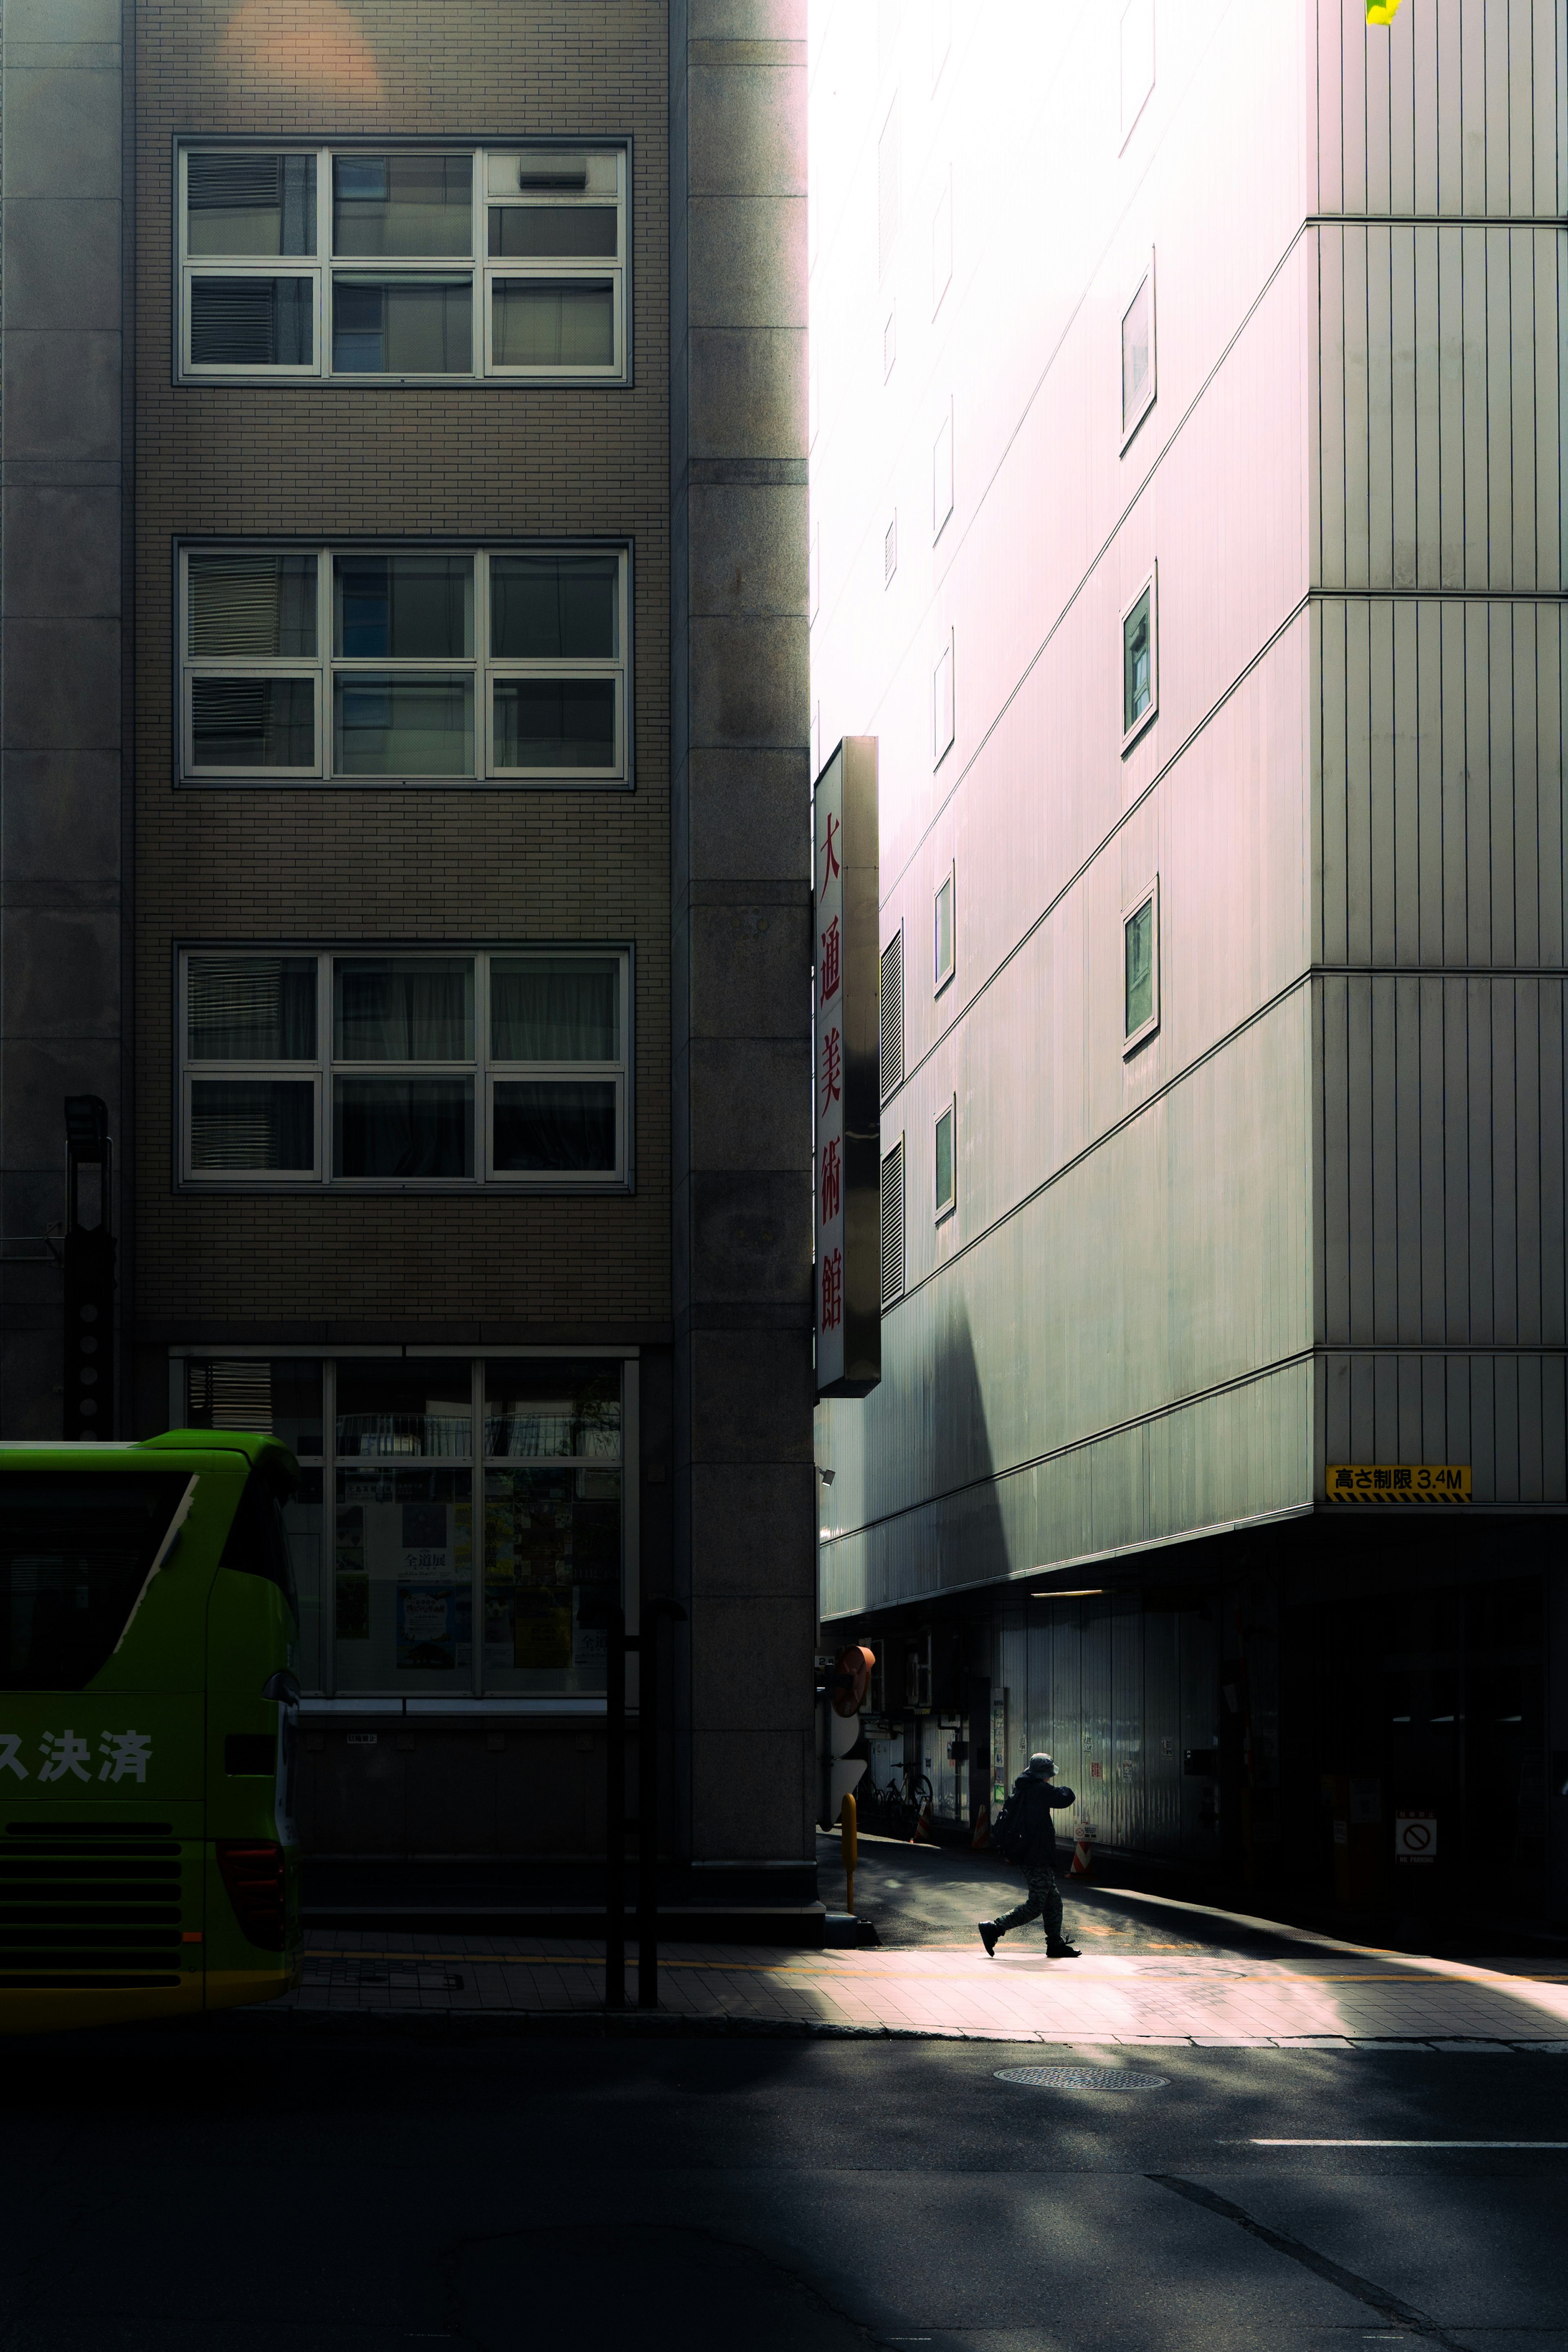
944, 1186
1138, 356
1140, 672
1141, 967
942, 942
942, 720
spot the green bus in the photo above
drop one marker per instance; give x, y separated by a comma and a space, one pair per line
148, 1713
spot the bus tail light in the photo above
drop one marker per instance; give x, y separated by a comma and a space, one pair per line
253, 1873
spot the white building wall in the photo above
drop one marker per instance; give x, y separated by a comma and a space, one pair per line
1345, 1140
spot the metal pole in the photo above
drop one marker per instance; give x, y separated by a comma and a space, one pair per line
648, 1813
615, 1817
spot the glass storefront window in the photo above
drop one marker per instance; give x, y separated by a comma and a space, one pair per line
392, 1448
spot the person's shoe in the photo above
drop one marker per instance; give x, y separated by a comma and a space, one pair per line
1062, 1952
989, 1933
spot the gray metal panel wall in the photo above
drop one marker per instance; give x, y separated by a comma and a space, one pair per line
60, 709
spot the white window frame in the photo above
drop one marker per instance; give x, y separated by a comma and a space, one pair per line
940, 1210
484, 1071
487, 670
1133, 101
491, 166
1147, 586
942, 975
944, 705
942, 476
1148, 896
942, 246
1131, 421
890, 551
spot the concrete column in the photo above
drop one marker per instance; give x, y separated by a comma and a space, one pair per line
741, 857
60, 611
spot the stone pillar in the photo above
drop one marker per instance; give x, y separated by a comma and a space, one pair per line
61, 222
741, 893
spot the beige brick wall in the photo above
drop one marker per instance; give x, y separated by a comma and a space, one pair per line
400, 866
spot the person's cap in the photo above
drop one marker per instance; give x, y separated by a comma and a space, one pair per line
1042, 1767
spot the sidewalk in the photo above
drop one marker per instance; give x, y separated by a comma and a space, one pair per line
1336, 1998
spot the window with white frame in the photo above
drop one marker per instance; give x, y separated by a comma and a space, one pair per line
1138, 355
1141, 967
1137, 44
942, 710
1140, 665
401, 263
425, 664
942, 942
945, 1172
941, 474
404, 1067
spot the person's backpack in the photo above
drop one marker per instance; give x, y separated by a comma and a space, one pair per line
1010, 1836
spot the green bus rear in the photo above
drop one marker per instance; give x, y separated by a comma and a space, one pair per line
149, 1645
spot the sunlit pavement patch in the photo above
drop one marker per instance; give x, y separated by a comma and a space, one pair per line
1080, 2078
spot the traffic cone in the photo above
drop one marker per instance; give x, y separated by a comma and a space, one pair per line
923, 1827
982, 1836
1080, 1857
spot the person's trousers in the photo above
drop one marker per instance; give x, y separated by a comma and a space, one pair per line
1044, 1899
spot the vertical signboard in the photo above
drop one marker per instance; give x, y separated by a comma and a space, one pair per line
845, 1045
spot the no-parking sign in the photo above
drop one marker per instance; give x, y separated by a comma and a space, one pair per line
1414, 1837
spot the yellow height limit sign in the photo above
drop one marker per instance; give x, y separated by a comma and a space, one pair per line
1399, 1482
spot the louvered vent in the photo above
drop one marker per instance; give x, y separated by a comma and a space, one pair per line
893, 1224
251, 322
91, 1904
892, 977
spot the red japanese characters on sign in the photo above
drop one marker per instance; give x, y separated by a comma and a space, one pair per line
827, 965
832, 1290
832, 1067
831, 1178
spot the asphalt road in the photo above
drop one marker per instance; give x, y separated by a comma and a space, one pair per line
244, 2187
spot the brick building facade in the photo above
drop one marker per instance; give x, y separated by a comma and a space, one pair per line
363, 360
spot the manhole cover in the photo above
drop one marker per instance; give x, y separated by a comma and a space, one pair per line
1080, 2078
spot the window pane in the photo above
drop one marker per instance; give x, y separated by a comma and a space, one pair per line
241, 1392
402, 607
533, 1407
244, 604
73, 1554
404, 1407
944, 930
552, 1576
555, 322
1137, 675
555, 607
402, 326
554, 1008
253, 723
304, 1519
1135, 355
403, 1578
545, 232
1140, 949
416, 1010
944, 1159
404, 205
250, 204
251, 1008
403, 726
238, 1123
402, 1127
555, 723
545, 1125
252, 322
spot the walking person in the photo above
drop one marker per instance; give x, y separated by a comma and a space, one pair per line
1026, 1833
